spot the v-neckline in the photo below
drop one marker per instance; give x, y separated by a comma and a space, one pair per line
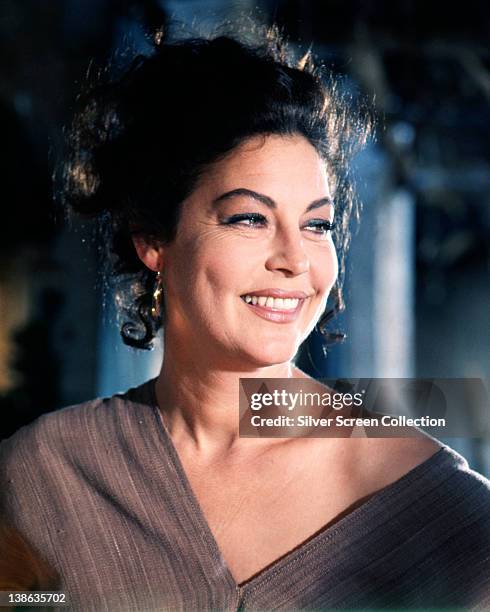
325, 533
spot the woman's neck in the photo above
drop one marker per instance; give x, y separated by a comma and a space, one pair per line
200, 403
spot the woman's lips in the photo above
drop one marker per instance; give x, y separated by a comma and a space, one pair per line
275, 315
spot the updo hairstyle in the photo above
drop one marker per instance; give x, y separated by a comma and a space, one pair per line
140, 140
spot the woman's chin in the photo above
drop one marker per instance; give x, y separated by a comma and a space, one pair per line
271, 356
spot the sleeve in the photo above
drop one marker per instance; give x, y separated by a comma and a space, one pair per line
27, 561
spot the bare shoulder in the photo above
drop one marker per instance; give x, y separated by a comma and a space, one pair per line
404, 453
405, 447
379, 459
380, 462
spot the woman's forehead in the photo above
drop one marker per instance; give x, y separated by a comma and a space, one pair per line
277, 162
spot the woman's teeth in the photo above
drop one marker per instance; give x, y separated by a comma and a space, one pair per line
271, 302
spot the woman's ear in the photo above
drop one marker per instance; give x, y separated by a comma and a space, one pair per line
149, 251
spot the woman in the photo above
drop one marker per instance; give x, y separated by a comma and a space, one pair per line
214, 164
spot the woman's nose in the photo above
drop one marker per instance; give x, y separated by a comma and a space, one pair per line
288, 253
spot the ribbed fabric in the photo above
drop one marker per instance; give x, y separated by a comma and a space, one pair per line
99, 491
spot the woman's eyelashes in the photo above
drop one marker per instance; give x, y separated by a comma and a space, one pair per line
248, 219
321, 226
316, 226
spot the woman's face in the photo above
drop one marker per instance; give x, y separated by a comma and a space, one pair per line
255, 229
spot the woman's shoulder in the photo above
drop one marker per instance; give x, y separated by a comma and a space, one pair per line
449, 496
426, 464
433, 525
469, 485
62, 432
408, 453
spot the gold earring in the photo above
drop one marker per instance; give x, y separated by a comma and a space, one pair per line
157, 297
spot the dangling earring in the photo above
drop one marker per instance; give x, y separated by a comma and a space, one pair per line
157, 297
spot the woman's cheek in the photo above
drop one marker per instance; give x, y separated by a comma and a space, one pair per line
324, 267
232, 263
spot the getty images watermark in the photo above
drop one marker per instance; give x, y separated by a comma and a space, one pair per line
369, 407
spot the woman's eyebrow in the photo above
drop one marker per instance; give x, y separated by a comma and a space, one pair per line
260, 197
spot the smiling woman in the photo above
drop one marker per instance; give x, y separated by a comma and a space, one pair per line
255, 230
141, 143
221, 171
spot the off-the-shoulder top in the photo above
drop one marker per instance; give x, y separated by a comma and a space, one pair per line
99, 491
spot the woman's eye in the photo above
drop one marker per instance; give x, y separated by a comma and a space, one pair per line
320, 226
249, 219
316, 226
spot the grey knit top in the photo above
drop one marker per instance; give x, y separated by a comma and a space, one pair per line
99, 491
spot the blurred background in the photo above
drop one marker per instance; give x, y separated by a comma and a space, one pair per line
417, 288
